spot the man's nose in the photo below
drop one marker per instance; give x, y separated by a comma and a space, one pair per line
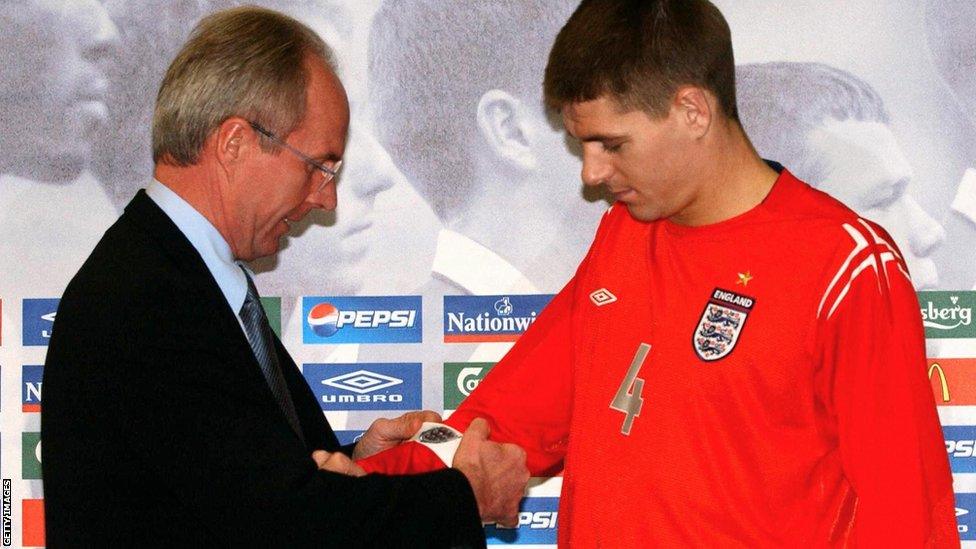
596, 170
926, 234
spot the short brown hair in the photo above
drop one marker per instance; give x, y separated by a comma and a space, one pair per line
247, 62
640, 52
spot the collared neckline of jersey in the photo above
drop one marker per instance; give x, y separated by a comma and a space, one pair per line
781, 190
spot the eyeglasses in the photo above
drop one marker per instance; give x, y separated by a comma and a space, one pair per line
328, 172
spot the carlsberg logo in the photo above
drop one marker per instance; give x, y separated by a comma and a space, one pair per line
460, 378
948, 314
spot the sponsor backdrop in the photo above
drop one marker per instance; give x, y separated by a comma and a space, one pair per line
457, 223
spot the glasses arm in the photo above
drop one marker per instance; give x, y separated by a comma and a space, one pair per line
330, 172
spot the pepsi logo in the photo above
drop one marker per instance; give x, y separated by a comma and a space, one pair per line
362, 319
324, 319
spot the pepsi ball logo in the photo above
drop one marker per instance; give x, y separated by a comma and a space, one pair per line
323, 319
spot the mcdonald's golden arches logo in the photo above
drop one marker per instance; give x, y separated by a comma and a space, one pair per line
953, 381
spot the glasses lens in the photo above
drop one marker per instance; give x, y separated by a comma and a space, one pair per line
328, 176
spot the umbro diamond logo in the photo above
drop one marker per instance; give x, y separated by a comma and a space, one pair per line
602, 297
362, 382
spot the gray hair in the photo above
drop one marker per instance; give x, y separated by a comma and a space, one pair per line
246, 62
781, 103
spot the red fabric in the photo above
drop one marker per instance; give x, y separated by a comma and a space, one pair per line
818, 429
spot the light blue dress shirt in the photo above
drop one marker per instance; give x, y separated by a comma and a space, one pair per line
207, 241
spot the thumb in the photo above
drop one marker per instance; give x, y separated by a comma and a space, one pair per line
428, 416
478, 429
320, 457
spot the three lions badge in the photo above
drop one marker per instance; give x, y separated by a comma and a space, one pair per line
721, 323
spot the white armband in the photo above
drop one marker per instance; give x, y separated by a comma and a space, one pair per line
441, 439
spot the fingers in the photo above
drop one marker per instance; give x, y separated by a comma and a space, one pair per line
405, 426
320, 457
353, 470
384, 434
497, 473
428, 416
472, 450
478, 429
336, 462
511, 486
408, 424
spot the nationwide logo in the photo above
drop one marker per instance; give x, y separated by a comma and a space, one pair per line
478, 318
32, 511
960, 441
537, 522
953, 381
30, 389
965, 504
38, 317
379, 386
460, 378
30, 463
393, 319
948, 314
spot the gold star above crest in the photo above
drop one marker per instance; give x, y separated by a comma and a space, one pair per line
744, 278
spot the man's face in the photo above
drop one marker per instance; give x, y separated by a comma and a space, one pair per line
271, 191
53, 92
866, 170
334, 253
643, 162
557, 194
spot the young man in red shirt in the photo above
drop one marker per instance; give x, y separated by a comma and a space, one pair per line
739, 359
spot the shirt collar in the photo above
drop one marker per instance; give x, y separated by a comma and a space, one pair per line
475, 268
207, 241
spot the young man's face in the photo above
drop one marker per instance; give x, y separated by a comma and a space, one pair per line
866, 170
643, 162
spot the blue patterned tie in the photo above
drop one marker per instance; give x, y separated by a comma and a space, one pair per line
262, 343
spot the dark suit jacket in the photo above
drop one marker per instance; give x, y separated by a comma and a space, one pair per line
159, 428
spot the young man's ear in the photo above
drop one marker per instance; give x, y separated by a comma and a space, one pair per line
503, 125
695, 110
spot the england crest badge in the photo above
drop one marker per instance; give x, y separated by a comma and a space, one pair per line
721, 324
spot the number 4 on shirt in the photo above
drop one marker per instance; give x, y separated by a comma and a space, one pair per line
628, 398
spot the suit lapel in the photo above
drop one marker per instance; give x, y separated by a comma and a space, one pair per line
225, 331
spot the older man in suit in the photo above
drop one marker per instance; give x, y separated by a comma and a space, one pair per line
172, 413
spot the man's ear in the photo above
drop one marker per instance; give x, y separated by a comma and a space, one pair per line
695, 110
503, 125
233, 139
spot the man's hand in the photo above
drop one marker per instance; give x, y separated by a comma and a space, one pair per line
387, 433
337, 462
497, 474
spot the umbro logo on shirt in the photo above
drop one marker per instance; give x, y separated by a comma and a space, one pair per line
602, 297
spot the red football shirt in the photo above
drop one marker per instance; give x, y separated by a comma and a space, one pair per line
757, 382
